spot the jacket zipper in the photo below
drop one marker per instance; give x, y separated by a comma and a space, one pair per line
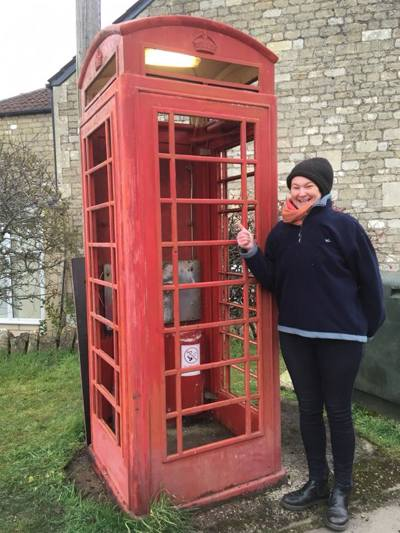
300, 235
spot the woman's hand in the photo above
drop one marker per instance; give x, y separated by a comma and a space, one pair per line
244, 238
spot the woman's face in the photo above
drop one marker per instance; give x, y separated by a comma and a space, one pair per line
303, 190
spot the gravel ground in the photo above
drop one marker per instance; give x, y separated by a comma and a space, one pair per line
377, 483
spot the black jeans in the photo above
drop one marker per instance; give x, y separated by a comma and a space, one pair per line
323, 373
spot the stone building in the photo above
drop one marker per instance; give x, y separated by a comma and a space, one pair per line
27, 117
66, 139
338, 89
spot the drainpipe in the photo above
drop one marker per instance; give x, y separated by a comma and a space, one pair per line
53, 126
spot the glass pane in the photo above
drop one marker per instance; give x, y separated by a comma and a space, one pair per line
213, 426
169, 351
105, 375
254, 415
104, 299
101, 80
98, 187
172, 446
163, 137
106, 412
205, 136
253, 377
253, 336
104, 339
193, 221
170, 393
251, 189
3, 310
235, 345
229, 265
100, 227
233, 152
236, 380
253, 300
27, 308
251, 219
198, 304
26, 293
204, 179
97, 146
234, 262
204, 387
190, 308
233, 341
165, 187
101, 264
166, 228
250, 147
167, 258
234, 182
168, 307
169, 64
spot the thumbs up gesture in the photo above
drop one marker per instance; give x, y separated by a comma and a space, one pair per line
244, 238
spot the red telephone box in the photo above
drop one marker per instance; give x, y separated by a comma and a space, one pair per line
178, 145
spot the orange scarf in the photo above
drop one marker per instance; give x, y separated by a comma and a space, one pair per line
295, 215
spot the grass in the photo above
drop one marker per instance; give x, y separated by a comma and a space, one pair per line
378, 429
41, 429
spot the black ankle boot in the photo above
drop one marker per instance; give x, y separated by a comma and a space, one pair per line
310, 494
337, 515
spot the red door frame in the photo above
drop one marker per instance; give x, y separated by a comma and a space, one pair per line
163, 472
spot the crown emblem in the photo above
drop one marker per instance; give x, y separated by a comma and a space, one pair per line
98, 59
204, 43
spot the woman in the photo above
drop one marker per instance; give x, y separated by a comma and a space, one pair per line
323, 270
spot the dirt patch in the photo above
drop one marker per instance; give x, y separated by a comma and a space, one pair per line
81, 472
376, 479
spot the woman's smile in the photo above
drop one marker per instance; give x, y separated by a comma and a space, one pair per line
303, 190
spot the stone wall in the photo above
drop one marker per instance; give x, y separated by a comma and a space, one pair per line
35, 131
338, 91
28, 341
66, 134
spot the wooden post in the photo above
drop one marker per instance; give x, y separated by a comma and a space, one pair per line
88, 23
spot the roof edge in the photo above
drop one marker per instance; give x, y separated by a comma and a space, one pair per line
63, 74
44, 111
132, 12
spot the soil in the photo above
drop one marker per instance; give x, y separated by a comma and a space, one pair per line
82, 473
376, 481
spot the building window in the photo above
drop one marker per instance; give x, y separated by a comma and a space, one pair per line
23, 302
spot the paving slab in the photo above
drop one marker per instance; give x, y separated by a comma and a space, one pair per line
385, 520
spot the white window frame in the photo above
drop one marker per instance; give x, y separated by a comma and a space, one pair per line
10, 319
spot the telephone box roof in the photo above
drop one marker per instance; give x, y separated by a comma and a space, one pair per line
126, 28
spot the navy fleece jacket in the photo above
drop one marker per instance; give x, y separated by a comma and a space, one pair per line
324, 274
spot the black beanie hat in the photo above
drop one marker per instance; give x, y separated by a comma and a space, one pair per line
318, 170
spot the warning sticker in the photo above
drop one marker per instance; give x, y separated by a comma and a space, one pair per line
190, 356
